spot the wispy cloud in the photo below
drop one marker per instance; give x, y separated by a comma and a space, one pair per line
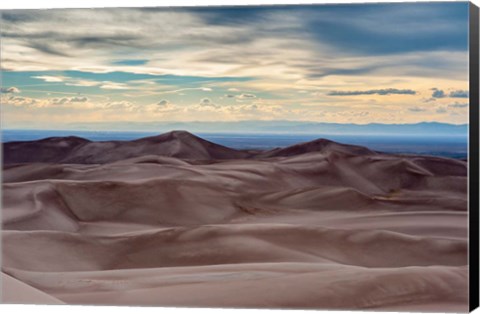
441, 110
132, 62
208, 43
113, 85
69, 81
416, 109
50, 79
387, 91
246, 96
458, 105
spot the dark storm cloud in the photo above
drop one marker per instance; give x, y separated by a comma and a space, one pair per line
399, 28
232, 16
18, 16
366, 28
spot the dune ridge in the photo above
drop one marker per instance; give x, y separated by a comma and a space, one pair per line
179, 144
174, 220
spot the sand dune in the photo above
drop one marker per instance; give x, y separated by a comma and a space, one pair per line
263, 285
176, 220
178, 144
232, 244
320, 145
17, 292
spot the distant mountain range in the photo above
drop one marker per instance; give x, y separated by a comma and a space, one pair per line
281, 127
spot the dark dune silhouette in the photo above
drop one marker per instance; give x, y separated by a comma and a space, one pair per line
320, 145
175, 220
179, 144
53, 149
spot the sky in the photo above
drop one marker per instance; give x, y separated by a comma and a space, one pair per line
354, 63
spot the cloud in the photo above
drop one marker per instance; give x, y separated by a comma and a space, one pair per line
241, 96
246, 96
18, 101
416, 109
262, 43
68, 100
69, 81
357, 29
458, 105
249, 108
50, 79
130, 62
163, 103
78, 99
60, 101
121, 105
9, 90
161, 107
114, 85
388, 91
80, 82
270, 52
459, 94
441, 110
207, 102
438, 93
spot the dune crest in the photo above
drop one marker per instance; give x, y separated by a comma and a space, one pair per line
178, 144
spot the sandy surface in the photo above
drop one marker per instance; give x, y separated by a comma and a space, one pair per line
321, 225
